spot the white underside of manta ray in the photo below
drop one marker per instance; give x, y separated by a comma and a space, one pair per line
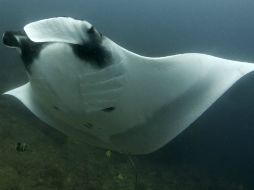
90, 88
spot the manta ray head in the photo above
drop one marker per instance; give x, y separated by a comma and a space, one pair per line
85, 41
72, 52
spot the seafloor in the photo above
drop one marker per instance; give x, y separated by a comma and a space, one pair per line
54, 162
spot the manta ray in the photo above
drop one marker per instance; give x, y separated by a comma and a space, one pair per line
92, 89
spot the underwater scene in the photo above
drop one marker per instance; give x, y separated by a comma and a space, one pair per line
127, 95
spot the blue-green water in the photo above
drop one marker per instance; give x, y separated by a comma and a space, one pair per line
215, 153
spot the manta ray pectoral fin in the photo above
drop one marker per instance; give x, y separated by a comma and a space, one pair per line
60, 29
22, 93
25, 95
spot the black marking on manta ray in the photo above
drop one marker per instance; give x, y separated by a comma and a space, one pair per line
94, 34
92, 52
29, 49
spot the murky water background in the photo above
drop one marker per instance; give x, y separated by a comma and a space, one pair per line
216, 152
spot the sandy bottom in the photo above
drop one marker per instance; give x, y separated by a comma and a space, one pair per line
53, 161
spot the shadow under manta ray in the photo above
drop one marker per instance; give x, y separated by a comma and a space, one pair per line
90, 88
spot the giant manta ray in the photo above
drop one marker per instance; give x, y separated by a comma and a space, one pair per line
90, 88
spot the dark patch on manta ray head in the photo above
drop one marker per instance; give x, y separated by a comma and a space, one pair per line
92, 50
29, 49
93, 53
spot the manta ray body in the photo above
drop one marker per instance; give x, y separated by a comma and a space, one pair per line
90, 88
